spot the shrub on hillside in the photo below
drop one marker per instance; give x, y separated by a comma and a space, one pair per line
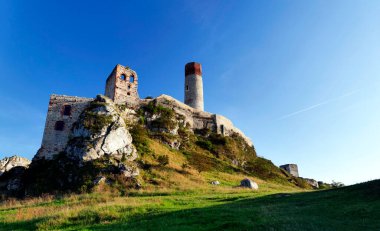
205, 144
263, 168
301, 183
140, 139
335, 184
165, 116
163, 160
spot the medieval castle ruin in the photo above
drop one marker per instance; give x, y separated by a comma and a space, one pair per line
292, 169
122, 88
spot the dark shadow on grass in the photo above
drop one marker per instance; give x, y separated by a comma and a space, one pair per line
351, 208
21, 225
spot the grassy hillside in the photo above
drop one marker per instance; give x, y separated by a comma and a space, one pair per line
220, 208
203, 158
173, 189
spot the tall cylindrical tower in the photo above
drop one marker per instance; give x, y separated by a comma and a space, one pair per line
194, 85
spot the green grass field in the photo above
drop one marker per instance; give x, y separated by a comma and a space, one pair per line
350, 208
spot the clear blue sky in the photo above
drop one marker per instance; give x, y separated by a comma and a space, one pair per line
301, 78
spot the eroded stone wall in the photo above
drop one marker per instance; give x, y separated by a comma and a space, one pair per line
121, 86
291, 168
63, 111
200, 119
225, 127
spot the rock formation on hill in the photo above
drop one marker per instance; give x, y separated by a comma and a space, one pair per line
100, 131
8, 163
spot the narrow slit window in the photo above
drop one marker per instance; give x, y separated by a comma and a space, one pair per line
59, 125
187, 87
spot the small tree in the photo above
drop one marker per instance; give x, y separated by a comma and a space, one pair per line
335, 184
163, 160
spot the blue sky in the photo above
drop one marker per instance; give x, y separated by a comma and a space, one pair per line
301, 78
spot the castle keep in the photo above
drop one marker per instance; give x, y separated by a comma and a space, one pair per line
122, 88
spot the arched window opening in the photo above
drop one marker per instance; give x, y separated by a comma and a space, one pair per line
123, 77
59, 125
132, 79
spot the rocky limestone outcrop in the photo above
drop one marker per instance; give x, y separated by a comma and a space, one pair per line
8, 163
100, 131
248, 183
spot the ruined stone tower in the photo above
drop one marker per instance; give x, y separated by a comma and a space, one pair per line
194, 85
121, 85
291, 168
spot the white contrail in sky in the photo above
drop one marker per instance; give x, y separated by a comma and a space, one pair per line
318, 104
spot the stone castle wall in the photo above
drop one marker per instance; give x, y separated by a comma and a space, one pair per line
291, 168
121, 86
55, 138
225, 127
63, 111
201, 119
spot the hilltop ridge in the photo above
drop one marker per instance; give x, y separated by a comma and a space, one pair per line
151, 146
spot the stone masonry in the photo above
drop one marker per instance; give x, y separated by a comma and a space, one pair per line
200, 119
121, 87
194, 86
63, 112
292, 169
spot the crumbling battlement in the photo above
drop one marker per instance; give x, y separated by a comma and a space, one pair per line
198, 119
292, 169
121, 86
63, 111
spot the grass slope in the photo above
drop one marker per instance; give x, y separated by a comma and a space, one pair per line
350, 208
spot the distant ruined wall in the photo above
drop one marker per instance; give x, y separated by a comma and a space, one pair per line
201, 119
225, 127
291, 168
63, 111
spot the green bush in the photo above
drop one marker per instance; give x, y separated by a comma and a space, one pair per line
205, 144
264, 169
301, 182
92, 120
163, 160
166, 116
140, 139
